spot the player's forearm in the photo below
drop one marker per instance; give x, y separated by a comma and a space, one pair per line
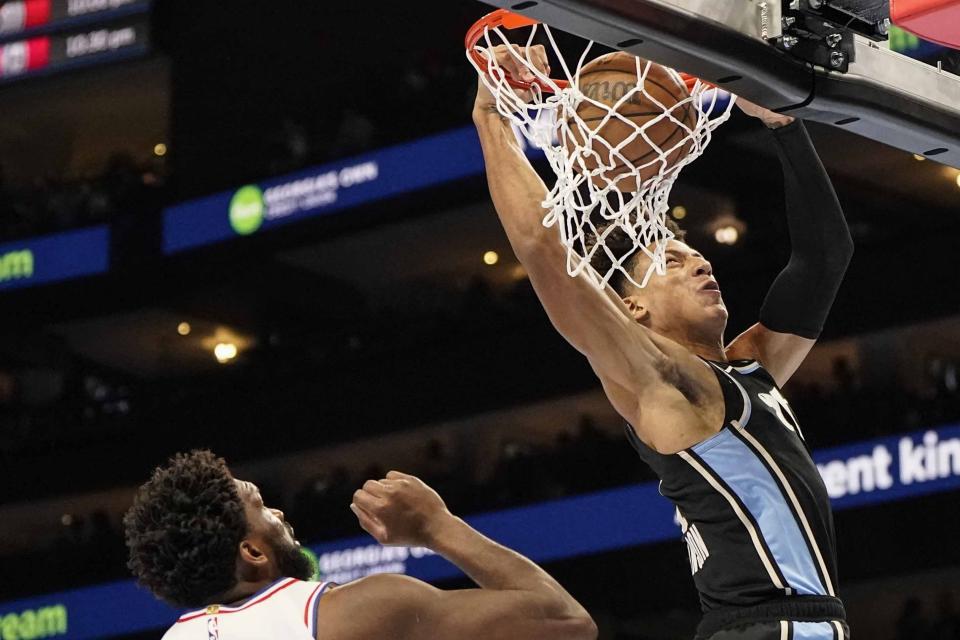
516, 189
821, 246
493, 566
814, 215
518, 193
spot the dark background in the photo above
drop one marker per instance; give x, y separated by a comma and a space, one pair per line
384, 319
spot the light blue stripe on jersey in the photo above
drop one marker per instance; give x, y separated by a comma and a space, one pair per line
813, 631
741, 469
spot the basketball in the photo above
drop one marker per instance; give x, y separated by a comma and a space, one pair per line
607, 80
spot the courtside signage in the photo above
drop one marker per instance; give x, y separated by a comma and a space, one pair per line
865, 473
46, 622
46, 259
255, 208
333, 187
892, 468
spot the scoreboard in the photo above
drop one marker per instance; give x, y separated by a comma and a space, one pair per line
44, 36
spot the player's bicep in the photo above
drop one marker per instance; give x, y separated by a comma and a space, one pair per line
403, 608
781, 354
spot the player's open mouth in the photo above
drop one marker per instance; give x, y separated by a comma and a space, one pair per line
710, 285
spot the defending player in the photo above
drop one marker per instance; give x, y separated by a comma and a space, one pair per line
708, 418
200, 538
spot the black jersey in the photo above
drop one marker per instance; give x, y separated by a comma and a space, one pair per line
750, 502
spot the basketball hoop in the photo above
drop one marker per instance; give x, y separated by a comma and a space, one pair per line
606, 204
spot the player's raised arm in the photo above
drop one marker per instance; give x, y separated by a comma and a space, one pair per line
797, 304
517, 599
598, 324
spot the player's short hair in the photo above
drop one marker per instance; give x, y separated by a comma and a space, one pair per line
184, 529
620, 244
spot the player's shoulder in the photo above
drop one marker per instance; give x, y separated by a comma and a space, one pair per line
284, 597
744, 370
289, 591
381, 589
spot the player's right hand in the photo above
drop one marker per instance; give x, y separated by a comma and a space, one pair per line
508, 61
399, 510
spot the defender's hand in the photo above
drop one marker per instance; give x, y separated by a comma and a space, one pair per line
400, 510
770, 118
485, 101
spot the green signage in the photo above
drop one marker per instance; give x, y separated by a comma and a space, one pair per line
247, 210
32, 624
16, 265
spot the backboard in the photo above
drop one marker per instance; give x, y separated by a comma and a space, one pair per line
821, 60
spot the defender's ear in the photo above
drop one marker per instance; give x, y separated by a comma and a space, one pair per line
252, 554
636, 308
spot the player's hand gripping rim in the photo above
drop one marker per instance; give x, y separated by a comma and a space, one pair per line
507, 58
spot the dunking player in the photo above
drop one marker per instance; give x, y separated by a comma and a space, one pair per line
708, 418
198, 537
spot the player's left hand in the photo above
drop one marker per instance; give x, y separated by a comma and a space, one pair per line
508, 60
399, 510
770, 118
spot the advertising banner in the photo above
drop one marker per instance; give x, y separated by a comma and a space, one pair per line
61, 256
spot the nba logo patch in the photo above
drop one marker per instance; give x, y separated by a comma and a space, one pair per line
213, 626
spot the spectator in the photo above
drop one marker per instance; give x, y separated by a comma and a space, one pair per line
913, 623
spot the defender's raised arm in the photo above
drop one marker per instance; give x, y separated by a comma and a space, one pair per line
517, 599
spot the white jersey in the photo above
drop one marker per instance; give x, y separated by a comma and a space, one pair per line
286, 609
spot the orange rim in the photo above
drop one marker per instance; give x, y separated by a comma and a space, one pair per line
507, 20
510, 21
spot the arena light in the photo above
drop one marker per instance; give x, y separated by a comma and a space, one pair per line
491, 258
223, 342
958, 179
184, 328
679, 212
224, 352
159, 149
726, 235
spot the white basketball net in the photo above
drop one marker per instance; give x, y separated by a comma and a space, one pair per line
593, 210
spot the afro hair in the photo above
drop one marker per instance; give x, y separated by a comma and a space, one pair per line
184, 529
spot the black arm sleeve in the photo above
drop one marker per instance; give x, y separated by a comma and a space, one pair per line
801, 296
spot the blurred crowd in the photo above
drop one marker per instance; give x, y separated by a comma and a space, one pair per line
127, 187
124, 188
524, 473
919, 622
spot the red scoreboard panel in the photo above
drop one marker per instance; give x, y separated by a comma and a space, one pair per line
27, 17
44, 36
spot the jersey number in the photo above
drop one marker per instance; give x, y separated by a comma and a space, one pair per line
781, 407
